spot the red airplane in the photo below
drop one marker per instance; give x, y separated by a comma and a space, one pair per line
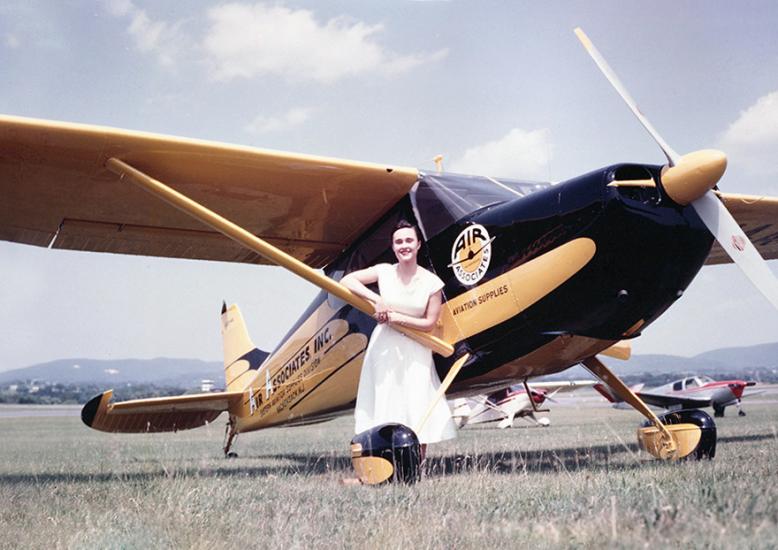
508, 403
694, 392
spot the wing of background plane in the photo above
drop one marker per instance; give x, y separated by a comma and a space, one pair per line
57, 192
758, 216
562, 386
668, 401
158, 414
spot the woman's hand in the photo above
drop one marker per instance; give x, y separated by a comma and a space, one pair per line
382, 312
394, 318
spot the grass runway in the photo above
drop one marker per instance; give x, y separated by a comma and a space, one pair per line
579, 483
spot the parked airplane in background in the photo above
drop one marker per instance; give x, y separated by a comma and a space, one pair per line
506, 404
694, 392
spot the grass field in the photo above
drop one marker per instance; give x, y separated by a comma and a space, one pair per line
580, 483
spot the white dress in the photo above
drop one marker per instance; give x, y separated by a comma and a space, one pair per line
398, 381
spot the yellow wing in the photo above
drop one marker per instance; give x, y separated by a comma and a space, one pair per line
57, 192
758, 216
158, 414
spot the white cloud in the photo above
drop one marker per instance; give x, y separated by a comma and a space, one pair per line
11, 41
293, 117
519, 154
752, 140
253, 40
160, 38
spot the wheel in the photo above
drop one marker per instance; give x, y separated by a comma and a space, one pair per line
231, 454
389, 453
741, 413
706, 448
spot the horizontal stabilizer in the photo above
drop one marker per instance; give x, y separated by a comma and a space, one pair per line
158, 414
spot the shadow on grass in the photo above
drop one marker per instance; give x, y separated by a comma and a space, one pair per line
592, 458
742, 438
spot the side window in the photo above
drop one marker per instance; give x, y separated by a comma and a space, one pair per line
678, 386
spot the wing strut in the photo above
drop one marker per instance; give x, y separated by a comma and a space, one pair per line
663, 441
261, 247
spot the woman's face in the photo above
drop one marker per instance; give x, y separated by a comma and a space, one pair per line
405, 244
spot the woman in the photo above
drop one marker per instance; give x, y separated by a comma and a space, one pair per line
398, 380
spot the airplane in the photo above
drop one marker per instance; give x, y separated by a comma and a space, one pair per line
693, 392
539, 277
504, 405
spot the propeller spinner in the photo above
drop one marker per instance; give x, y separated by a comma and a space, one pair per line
690, 179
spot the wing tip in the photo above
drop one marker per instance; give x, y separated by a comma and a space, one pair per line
90, 409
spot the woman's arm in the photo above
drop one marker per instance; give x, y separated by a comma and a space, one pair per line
357, 282
426, 323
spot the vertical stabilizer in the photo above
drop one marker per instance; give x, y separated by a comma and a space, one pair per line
241, 358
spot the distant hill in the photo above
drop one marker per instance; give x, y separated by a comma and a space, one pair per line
188, 372
710, 362
161, 371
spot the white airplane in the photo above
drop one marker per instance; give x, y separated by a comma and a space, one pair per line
693, 392
505, 405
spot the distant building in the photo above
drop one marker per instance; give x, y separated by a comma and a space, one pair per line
206, 386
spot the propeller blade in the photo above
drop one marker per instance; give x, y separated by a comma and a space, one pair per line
735, 242
672, 156
688, 180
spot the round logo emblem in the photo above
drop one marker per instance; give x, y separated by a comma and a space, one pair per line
471, 253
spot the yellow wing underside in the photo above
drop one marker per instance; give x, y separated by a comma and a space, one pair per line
758, 216
56, 191
158, 414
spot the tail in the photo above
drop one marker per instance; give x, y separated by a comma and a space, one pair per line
241, 358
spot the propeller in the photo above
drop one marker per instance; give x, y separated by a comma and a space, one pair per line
539, 396
690, 179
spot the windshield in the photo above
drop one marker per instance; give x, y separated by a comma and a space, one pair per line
441, 199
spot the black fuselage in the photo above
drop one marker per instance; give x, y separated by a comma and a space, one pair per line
648, 249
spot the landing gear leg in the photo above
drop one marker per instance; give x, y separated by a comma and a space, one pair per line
230, 435
718, 412
667, 447
740, 412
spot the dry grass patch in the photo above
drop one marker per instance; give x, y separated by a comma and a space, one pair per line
581, 482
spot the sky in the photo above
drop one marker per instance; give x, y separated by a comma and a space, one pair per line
498, 88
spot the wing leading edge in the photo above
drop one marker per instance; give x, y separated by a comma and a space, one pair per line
57, 192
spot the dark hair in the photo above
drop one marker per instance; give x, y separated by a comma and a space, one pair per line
402, 224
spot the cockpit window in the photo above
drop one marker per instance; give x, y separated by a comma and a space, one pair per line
441, 199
